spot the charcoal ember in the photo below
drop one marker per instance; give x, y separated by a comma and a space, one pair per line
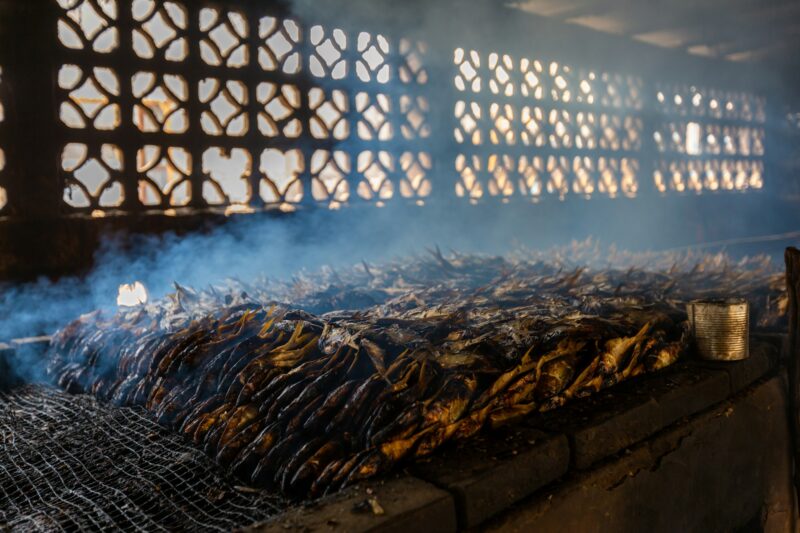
335, 377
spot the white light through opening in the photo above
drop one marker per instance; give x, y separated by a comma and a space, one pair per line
133, 294
693, 139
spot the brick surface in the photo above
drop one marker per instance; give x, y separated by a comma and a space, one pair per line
406, 504
489, 473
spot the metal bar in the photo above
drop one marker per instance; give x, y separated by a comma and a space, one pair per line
792, 258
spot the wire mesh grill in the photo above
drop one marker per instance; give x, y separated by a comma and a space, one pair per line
70, 463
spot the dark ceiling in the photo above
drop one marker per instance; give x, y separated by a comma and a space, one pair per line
762, 31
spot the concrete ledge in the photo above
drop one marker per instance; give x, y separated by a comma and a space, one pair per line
717, 472
405, 504
763, 358
779, 340
742, 374
613, 420
489, 473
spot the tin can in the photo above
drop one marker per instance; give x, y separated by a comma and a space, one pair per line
720, 328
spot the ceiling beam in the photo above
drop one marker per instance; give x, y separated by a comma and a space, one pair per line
549, 8
692, 23
711, 21
597, 8
651, 16
779, 54
733, 29
757, 40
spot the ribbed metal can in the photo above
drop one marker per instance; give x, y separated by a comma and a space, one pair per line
720, 328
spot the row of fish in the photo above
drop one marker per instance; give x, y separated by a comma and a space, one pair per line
311, 402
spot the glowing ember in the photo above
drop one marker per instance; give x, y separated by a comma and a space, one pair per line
132, 294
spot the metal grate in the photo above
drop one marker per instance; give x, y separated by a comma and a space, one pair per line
70, 463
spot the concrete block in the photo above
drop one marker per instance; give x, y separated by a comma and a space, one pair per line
719, 471
612, 420
742, 374
404, 504
491, 472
